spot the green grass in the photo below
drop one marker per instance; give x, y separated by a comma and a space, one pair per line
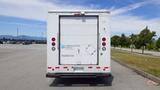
148, 64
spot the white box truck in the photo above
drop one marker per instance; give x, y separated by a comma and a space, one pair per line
78, 44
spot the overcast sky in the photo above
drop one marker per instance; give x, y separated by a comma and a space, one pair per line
127, 16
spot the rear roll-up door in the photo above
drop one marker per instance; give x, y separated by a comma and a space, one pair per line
78, 39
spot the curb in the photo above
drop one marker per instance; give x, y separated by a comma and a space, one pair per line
140, 72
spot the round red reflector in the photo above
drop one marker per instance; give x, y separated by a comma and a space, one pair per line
53, 44
53, 39
103, 39
104, 44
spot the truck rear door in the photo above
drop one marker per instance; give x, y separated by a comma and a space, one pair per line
78, 40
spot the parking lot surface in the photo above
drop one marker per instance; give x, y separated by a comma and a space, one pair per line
23, 67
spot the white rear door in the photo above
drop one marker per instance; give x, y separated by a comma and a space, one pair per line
78, 40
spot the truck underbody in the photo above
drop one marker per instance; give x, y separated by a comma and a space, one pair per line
77, 75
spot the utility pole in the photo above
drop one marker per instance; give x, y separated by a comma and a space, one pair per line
17, 30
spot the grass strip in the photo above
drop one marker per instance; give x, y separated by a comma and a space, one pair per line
149, 64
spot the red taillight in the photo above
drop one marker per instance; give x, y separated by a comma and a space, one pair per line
53, 39
53, 43
49, 67
104, 44
103, 39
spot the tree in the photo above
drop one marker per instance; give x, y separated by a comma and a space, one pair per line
115, 41
128, 42
151, 45
158, 43
123, 40
133, 39
145, 37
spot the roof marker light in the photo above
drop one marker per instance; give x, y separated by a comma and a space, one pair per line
77, 14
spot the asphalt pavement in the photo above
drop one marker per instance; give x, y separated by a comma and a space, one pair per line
23, 67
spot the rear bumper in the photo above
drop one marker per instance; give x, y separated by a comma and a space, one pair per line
77, 75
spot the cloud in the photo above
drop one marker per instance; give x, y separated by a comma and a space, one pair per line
155, 2
37, 9
24, 24
21, 9
120, 22
32, 9
128, 8
129, 24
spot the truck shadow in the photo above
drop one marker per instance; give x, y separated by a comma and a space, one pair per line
81, 82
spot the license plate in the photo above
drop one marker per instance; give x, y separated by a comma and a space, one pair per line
78, 68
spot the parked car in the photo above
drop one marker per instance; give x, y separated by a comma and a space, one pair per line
26, 42
1, 42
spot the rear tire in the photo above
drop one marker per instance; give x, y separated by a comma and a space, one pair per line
108, 80
49, 81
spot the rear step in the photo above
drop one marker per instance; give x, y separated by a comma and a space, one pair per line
77, 75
